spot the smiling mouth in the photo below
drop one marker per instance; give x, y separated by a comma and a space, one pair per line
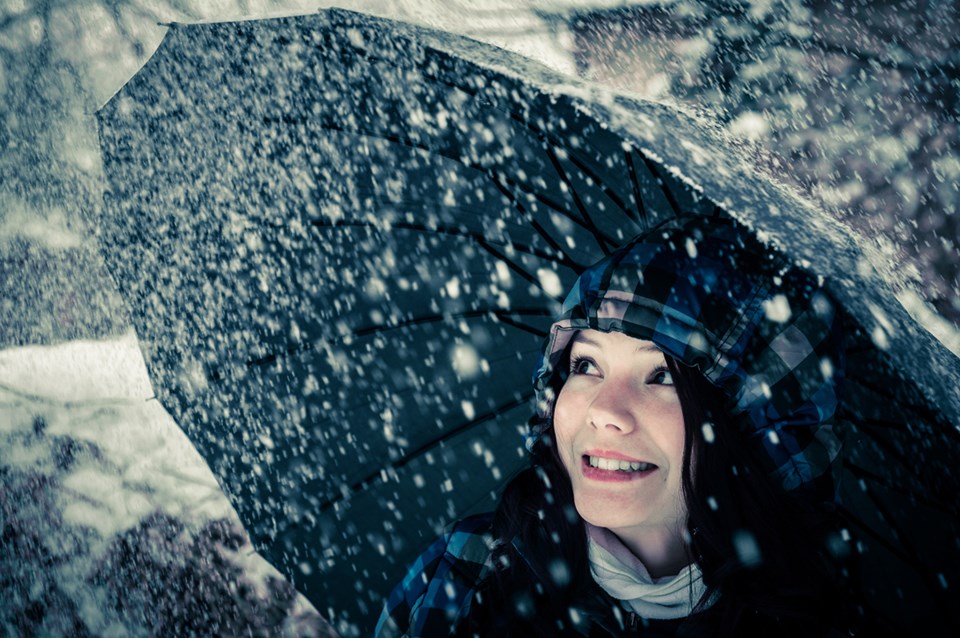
614, 465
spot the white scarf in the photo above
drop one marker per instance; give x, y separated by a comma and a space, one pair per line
623, 576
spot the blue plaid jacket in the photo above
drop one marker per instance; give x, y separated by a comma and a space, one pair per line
438, 588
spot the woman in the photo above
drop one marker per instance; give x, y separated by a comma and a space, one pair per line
682, 459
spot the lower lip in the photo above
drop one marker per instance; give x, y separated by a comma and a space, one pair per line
612, 476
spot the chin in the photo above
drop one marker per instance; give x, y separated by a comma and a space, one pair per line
611, 517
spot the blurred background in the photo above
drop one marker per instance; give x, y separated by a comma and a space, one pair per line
855, 104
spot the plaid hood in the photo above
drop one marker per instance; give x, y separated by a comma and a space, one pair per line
707, 293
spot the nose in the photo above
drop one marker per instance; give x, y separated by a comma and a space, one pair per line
615, 406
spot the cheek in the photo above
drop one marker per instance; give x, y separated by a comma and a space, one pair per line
564, 427
674, 433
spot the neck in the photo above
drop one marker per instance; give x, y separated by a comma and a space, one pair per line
663, 553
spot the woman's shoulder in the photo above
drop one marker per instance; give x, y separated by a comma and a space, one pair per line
469, 545
439, 585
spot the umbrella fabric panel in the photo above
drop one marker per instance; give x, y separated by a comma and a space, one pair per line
271, 279
331, 476
364, 545
314, 249
900, 493
342, 418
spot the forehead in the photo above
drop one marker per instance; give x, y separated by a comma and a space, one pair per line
614, 340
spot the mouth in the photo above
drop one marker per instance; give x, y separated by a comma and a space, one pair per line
617, 465
604, 468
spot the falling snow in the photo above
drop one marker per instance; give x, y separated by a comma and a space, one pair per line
363, 342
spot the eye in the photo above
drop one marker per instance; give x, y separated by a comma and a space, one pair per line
661, 376
583, 365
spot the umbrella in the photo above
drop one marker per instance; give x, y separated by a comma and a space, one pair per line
342, 240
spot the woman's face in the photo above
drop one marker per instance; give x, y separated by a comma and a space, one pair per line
619, 430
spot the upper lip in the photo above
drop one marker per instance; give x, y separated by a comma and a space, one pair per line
617, 456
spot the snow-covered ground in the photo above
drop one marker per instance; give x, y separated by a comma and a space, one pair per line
112, 523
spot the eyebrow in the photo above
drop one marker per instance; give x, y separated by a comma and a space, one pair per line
646, 346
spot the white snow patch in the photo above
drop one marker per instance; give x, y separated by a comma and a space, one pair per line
98, 392
452, 287
550, 282
128, 459
826, 368
750, 126
747, 548
708, 434
78, 370
698, 154
503, 276
879, 338
466, 360
777, 309
947, 333
45, 227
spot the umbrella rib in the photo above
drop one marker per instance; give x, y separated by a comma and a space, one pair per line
546, 201
606, 190
501, 315
516, 324
501, 181
869, 531
863, 473
484, 243
409, 457
910, 553
674, 204
541, 231
516, 268
543, 135
896, 426
423, 147
635, 182
882, 424
601, 240
898, 552
863, 347
892, 451
445, 230
924, 411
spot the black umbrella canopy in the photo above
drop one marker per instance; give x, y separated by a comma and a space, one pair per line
343, 238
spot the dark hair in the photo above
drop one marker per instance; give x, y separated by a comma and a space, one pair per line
761, 549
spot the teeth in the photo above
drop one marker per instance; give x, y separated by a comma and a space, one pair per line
621, 466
